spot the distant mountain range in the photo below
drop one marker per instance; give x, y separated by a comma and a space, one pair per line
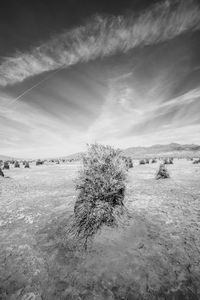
173, 149
4, 157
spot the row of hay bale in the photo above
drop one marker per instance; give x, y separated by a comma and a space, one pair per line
147, 161
56, 161
166, 161
16, 164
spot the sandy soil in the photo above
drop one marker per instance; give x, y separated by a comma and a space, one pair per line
156, 257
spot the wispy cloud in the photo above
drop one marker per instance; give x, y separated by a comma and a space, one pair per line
28, 131
179, 112
103, 36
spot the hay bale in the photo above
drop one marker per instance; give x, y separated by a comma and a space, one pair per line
101, 186
26, 165
39, 162
17, 165
1, 173
162, 172
6, 165
196, 161
166, 162
128, 161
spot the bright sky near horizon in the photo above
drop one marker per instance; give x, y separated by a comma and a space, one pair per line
125, 75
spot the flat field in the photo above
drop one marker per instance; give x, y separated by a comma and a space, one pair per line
157, 256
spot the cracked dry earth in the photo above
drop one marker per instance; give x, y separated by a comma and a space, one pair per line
156, 257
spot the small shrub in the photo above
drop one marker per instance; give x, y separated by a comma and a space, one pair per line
101, 186
154, 161
162, 172
142, 162
147, 161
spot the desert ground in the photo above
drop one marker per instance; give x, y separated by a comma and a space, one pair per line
156, 256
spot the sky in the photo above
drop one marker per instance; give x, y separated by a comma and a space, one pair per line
123, 73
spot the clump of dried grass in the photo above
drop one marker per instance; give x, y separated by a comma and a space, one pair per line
142, 162
101, 186
128, 161
162, 172
39, 162
197, 161
6, 165
26, 165
17, 165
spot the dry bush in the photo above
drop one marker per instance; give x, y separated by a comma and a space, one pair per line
162, 172
147, 161
101, 186
154, 161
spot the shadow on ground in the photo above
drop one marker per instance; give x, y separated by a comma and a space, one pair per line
140, 261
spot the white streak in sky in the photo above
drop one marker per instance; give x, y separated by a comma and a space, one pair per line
34, 86
103, 36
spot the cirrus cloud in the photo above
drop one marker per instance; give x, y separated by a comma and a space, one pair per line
103, 36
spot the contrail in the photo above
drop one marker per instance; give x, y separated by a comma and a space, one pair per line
34, 86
